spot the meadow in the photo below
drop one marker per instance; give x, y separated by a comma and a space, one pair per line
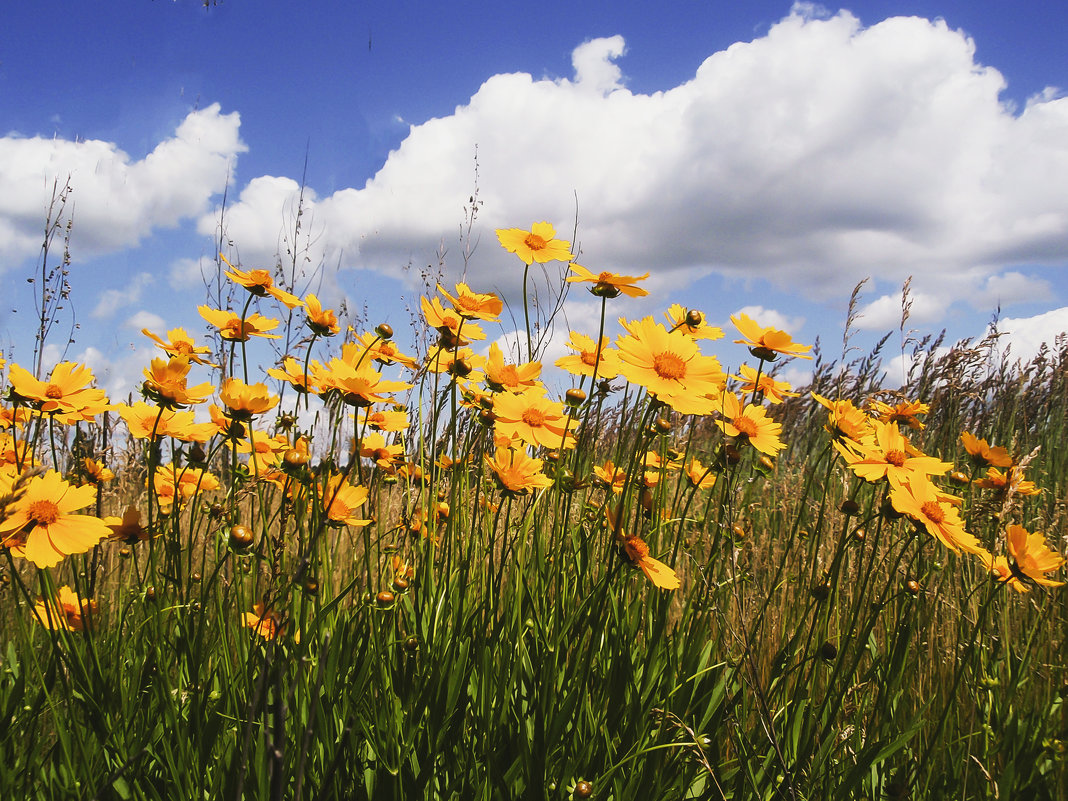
298, 562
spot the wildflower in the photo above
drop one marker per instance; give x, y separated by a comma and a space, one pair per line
322, 321
771, 390
845, 421
260, 284
40, 527
750, 423
699, 476
264, 452
656, 571
233, 328
266, 623
383, 351
888, 456
66, 391
382, 420
903, 412
174, 484
606, 284
516, 472
373, 446
341, 500
360, 387
1032, 556
608, 475
1010, 481
461, 363
450, 323
292, 372
766, 343
1003, 571
166, 384
242, 400
510, 377
179, 343
65, 611
536, 245
128, 528
474, 305
668, 364
12, 418
919, 499
588, 356
95, 472
534, 419
145, 422
983, 454
691, 322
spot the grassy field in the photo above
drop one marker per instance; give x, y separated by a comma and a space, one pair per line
366, 574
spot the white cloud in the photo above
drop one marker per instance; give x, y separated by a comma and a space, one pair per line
1008, 288
115, 201
1023, 337
187, 273
770, 318
111, 300
145, 319
817, 154
884, 314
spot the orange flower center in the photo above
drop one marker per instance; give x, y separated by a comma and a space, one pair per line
589, 357
669, 366
260, 278
534, 417
43, 513
933, 512
182, 348
746, 427
467, 302
896, 458
54, 392
605, 277
508, 376
535, 242
636, 548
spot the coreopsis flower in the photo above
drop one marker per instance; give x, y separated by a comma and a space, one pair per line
656, 571
450, 323
691, 322
265, 452
534, 419
509, 377
67, 390
13, 418
608, 475
373, 446
1002, 570
516, 472
1033, 558
903, 412
341, 500
95, 472
384, 351
668, 364
65, 611
292, 372
767, 343
474, 305
1009, 481
536, 245
40, 526
264, 622
179, 485
383, 420
984, 454
166, 384
145, 421
235, 329
606, 284
888, 456
462, 363
127, 528
261, 284
772, 391
322, 321
699, 476
919, 499
358, 387
845, 421
749, 423
179, 343
243, 401
588, 356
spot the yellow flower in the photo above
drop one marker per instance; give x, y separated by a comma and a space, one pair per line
166, 384
510, 377
66, 391
668, 364
474, 305
699, 476
243, 400
233, 328
384, 420
144, 422
535, 245
341, 500
606, 284
456, 330
889, 456
608, 475
40, 526
128, 528
656, 571
383, 351
1000, 566
260, 283
181, 484
373, 446
750, 424
767, 343
533, 418
585, 357
292, 372
179, 343
516, 472
1012, 481
322, 321
266, 623
773, 391
1032, 556
360, 387
66, 611
983, 453
845, 421
95, 472
902, 412
920, 500
691, 322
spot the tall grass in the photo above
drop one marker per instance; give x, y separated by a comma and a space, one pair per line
449, 637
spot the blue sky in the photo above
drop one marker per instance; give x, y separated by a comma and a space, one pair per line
748, 155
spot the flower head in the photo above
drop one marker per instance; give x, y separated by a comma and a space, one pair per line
691, 322
474, 305
656, 571
67, 390
750, 423
166, 384
668, 364
509, 377
903, 412
516, 472
245, 400
920, 500
322, 321
772, 391
535, 245
235, 329
179, 343
984, 454
64, 611
534, 419
767, 343
606, 284
260, 283
1032, 556
588, 356
341, 500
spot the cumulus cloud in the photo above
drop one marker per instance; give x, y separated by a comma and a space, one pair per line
111, 300
884, 314
116, 201
771, 318
817, 154
1022, 338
